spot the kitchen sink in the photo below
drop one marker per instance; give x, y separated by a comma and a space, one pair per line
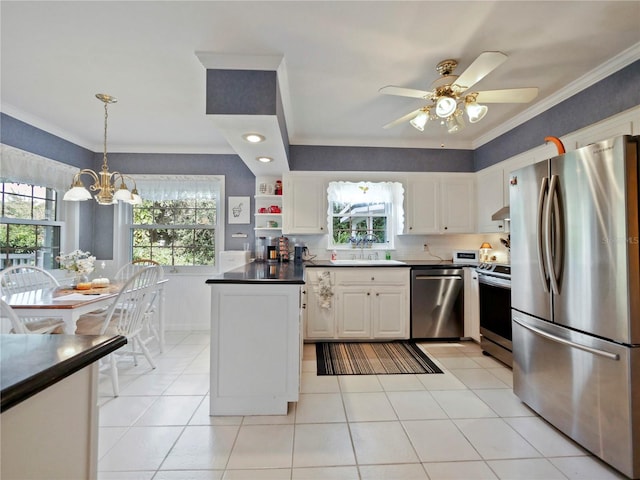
367, 262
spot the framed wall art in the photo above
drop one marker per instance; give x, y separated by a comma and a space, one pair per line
239, 208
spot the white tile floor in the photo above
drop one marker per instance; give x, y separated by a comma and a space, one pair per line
465, 424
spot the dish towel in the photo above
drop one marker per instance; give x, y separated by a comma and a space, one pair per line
324, 289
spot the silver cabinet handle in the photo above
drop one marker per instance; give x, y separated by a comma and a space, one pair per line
437, 277
595, 351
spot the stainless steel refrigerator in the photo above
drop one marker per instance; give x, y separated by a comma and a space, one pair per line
575, 296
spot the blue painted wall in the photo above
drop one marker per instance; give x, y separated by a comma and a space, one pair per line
362, 159
21, 135
614, 94
31, 139
239, 181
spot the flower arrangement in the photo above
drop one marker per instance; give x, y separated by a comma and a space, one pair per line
77, 261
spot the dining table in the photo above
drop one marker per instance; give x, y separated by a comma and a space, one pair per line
69, 303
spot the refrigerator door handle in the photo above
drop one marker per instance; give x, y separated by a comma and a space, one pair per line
542, 333
553, 256
539, 229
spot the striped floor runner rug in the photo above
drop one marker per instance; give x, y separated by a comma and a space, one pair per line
358, 358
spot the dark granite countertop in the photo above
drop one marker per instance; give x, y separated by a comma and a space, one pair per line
31, 363
293, 273
263, 272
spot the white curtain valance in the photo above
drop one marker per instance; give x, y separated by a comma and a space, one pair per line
20, 166
363, 192
177, 187
370, 192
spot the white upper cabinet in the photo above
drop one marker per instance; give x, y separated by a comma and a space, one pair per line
457, 196
304, 204
440, 204
422, 213
490, 199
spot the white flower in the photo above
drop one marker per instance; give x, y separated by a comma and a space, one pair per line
77, 261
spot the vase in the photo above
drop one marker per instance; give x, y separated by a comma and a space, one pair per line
79, 278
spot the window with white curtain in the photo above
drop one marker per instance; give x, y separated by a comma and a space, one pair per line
178, 221
365, 214
31, 230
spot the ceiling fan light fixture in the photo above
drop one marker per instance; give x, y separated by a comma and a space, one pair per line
446, 106
419, 121
475, 111
455, 123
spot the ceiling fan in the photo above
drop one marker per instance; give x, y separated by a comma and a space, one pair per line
449, 96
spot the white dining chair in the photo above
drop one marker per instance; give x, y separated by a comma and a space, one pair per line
152, 322
125, 316
39, 325
23, 278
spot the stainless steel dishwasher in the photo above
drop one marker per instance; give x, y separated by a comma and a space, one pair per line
437, 303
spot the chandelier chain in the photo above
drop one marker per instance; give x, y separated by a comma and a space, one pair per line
105, 167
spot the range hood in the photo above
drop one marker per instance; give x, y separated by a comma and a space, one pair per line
502, 214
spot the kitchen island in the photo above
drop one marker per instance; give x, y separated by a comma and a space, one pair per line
256, 339
49, 404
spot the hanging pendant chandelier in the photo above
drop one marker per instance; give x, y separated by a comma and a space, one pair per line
104, 182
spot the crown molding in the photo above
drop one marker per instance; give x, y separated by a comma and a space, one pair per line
606, 69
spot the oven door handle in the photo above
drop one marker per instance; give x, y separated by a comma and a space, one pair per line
496, 282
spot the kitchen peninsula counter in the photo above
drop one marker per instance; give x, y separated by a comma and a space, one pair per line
48, 392
256, 339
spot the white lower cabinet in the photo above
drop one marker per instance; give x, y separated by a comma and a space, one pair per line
389, 313
367, 303
354, 312
319, 312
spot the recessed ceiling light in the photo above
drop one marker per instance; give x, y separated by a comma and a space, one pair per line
253, 137
264, 159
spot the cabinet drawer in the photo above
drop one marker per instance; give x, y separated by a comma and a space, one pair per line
311, 275
372, 276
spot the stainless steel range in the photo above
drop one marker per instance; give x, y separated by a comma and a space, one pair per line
495, 310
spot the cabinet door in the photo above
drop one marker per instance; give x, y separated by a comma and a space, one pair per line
354, 312
471, 304
490, 199
320, 315
389, 313
457, 200
305, 205
422, 206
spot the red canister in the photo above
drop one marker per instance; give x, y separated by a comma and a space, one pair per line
278, 187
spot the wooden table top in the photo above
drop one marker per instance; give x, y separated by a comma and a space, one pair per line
43, 298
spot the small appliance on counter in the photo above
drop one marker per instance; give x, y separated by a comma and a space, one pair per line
261, 246
283, 249
471, 257
300, 252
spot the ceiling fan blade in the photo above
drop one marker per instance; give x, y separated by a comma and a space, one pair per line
405, 92
512, 95
480, 68
403, 119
